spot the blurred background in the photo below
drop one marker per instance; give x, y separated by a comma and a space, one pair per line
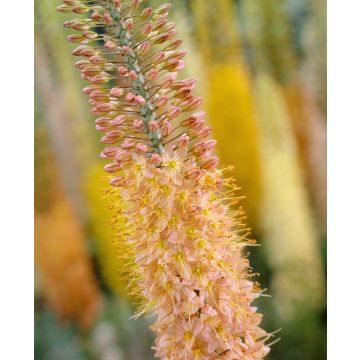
261, 67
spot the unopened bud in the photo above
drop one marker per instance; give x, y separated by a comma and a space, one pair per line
210, 164
110, 45
111, 168
153, 125
128, 144
156, 159
166, 128
141, 147
118, 120
145, 14
138, 124
117, 181
116, 92
122, 70
144, 48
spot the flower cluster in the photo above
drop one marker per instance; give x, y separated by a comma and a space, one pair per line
183, 243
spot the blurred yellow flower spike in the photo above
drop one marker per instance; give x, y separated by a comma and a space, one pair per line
290, 238
109, 255
229, 101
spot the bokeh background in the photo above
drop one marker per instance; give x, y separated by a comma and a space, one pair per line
261, 67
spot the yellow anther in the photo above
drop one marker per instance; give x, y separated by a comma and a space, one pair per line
172, 164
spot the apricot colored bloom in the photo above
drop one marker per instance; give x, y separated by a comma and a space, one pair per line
182, 242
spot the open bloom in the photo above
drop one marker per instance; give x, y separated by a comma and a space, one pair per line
182, 243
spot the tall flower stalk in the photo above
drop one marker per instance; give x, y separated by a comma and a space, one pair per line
183, 244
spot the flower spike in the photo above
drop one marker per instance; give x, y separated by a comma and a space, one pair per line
183, 243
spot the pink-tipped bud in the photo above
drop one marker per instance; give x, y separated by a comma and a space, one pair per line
108, 140
88, 52
194, 104
193, 174
210, 144
108, 19
198, 148
80, 64
159, 58
138, 124
110, 152
111, 168
159, 24
118, 120
64, 8
117, 181
203, 133
128, 144
132, 75
106, 107
77, 51
96, 16
183, 93
99, 95
171, 34
122, 70
174, 45
168, 80
99, 79
156, 159
109, 45
91, 35
197, 124
135, 4
166, 128
177, 54
129, 24
116, 92
183, 140
169, 26
210, 164
140, 100
91, 71
123, 156
80, 9
77, 38
96, 59
173, 113
160, 39
189, 83
103, 122
89, 89
153, 125
174, 65
144, 48
164, 9
152, 74
145, 14
70, 2
126, 49
130, 97
146, 30
142, 147
162, 100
